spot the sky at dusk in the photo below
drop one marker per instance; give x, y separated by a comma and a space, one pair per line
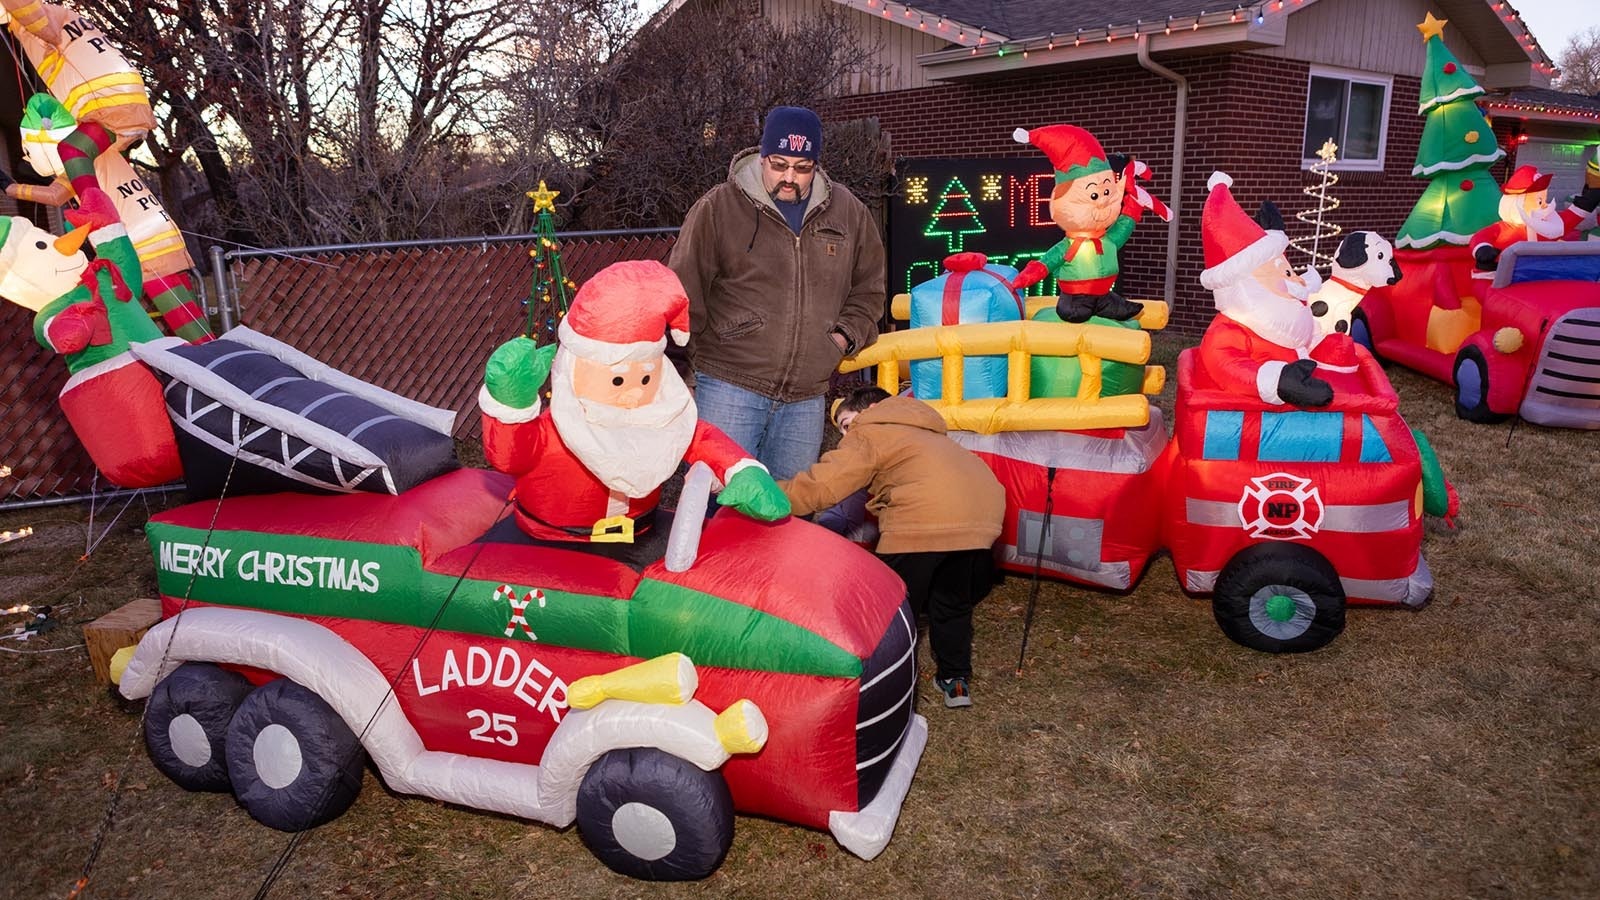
1555, 22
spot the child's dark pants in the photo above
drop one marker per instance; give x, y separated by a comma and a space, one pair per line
946, 586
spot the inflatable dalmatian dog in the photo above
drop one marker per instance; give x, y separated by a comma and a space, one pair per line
1364, 261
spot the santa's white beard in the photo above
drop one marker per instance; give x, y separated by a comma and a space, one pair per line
630, 450
1311, 282
1285, 322
1543, 223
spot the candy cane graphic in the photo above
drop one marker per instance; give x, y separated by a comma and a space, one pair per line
518, 608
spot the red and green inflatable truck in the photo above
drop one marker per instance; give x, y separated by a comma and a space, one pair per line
302, 635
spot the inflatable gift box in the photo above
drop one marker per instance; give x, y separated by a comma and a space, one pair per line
970, 291
254, 415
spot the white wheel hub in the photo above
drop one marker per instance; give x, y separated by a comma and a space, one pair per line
277, 756
188, 740
643, 831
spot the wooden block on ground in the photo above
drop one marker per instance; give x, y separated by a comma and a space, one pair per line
122, 627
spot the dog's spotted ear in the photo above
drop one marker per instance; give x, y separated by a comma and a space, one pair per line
1352, 250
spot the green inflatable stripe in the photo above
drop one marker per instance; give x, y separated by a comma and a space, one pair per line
386, 583
582, 621
1435, 499
288, 573
712, 631
366, 581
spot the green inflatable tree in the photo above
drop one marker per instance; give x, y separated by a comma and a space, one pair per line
1455, 155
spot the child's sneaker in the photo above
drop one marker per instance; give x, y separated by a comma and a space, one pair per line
956, 693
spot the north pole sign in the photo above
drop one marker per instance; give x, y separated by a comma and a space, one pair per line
1281, 507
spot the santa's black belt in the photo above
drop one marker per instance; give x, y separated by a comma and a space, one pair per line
613, 529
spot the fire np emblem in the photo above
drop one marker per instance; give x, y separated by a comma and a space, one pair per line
1281, 507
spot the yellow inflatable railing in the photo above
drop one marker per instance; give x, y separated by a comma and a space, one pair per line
1019, 342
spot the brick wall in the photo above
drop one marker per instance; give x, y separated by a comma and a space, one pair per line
1246, 115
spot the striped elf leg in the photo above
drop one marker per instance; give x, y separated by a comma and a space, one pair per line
173, 297
78, 152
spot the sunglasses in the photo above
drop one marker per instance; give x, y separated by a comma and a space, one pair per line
800, 168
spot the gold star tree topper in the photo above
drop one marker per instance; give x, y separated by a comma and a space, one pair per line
544, 199
1431, 27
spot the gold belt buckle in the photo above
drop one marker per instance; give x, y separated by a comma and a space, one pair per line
603, 533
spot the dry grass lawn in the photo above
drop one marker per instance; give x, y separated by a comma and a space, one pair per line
1451, 752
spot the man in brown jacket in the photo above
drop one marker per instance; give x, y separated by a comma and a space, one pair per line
785, 274
939, 511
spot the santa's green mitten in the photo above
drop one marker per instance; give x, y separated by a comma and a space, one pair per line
516, 370
753, 492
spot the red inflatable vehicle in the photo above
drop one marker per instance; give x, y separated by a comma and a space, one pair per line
1282, 515
550, 681
1525, 343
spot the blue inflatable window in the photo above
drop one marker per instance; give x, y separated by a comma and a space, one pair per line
1223, 433
1373, 449
1554, 268
1301, 436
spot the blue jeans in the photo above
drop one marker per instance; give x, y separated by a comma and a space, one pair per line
784, 437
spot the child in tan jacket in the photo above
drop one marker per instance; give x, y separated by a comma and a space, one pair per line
939, 512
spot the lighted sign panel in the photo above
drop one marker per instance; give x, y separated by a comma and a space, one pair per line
997, 207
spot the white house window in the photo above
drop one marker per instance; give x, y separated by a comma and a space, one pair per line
1352, 110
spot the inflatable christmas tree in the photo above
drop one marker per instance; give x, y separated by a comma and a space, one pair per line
1457, 149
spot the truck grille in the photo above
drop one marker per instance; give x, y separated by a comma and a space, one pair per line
883, 714
1565, 388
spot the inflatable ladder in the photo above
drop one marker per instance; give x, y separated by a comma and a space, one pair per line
1020, 341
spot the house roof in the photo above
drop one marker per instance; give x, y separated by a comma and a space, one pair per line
1545, 105
995, 32
1027, 18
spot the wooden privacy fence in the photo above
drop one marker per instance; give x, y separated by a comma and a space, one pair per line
417, 321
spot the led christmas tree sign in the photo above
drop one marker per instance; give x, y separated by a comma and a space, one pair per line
997, 207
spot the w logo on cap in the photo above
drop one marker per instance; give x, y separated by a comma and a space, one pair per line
795, 142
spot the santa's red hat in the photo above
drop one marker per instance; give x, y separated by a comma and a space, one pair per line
1235, 245
624, 313
1526, 180
1073, 152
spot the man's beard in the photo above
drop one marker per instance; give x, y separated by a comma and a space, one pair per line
1281, 320
1543, 223
630, 450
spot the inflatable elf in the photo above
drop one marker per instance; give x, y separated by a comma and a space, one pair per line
1097, 208
90, 312
163, 257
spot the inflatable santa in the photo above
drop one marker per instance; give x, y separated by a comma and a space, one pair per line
591, 466
1526, 215
1260, 345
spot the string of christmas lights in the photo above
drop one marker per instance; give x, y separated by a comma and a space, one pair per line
1000, 46
549, 293
8, 536
1313, 216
